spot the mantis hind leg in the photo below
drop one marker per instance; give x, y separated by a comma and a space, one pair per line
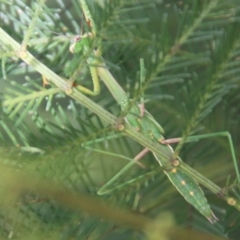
105, 189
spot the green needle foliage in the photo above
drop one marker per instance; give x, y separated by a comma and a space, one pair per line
57, 150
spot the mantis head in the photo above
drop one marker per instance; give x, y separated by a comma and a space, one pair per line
81, 43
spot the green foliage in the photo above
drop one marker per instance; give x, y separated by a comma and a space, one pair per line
191, 53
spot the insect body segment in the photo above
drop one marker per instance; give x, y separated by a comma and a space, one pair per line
190, 190
192, 193
144, 123
81, 43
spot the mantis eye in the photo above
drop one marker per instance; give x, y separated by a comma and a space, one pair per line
77, 38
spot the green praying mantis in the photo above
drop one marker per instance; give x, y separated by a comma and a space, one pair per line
138, 118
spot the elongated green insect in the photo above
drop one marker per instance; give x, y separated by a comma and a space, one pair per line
145, 123
137, 118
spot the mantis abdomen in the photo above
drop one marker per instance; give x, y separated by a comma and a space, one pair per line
186, 185
190, 190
